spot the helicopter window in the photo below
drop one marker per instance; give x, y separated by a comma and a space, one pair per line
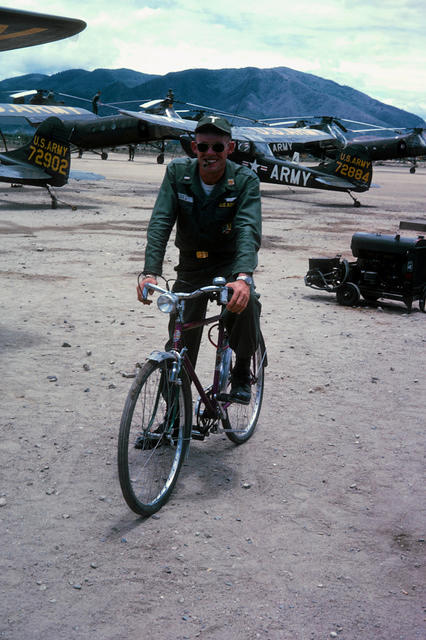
244, 147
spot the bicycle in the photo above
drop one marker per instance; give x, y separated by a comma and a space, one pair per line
157, 421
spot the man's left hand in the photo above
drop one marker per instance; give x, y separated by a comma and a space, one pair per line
240, 297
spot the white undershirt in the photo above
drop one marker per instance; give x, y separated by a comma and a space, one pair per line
208, 188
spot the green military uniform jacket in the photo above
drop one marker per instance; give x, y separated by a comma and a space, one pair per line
228, 221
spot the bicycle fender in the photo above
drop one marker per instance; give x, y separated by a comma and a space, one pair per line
160, 356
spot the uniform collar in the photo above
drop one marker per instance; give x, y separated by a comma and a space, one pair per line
226, 183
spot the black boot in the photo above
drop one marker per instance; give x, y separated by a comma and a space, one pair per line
240, 381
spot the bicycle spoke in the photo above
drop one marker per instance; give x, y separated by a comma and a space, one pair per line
153, 439
241, 420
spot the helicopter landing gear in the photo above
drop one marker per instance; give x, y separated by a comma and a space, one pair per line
356, 202
160, 157
413, 165
54, 199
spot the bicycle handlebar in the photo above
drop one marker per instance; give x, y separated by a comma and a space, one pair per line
187, 296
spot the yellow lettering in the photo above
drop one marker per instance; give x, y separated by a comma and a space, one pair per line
33, 150
19, 108
37, 108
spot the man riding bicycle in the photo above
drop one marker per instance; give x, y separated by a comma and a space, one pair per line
216, 206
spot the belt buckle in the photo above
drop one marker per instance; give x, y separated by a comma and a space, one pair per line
201, 254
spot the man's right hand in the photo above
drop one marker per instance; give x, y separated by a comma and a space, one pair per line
144, 283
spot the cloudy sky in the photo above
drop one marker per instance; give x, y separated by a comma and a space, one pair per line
375, 46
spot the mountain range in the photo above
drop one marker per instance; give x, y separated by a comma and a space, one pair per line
259, 93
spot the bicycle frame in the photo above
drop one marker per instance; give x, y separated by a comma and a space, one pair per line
214, 407
180, 326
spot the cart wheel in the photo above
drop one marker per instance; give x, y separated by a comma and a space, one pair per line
348, 294
160, 158
422, 300
413, 170
104, 155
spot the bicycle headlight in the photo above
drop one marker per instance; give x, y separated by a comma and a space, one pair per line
166, 302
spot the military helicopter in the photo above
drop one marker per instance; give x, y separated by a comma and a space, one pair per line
352, 146
380, 143
45, 160
349, 172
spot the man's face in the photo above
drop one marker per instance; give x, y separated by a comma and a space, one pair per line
212, 160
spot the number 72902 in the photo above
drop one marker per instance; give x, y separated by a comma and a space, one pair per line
48, 160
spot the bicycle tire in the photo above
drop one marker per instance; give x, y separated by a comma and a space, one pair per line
241, 420
155, 432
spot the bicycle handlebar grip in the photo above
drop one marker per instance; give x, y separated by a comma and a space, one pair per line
225, 295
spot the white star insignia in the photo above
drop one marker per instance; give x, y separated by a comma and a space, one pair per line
254, 166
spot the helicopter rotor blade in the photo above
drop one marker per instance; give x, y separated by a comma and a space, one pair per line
222, 112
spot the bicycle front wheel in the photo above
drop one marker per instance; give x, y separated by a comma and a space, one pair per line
155, 432
241, 420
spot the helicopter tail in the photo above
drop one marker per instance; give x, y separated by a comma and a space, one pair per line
352, 169
49, 150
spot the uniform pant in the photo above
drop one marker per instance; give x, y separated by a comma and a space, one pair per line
243, 328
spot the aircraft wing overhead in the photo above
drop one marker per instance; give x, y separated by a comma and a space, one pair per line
20, 29
254, 134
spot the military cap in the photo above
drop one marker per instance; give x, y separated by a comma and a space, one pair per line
214, 122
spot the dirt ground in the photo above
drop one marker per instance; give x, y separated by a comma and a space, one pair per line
313, 529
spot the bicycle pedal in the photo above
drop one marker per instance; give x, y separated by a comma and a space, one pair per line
196, 434
224, 397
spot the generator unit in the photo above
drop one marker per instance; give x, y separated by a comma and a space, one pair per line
386, 266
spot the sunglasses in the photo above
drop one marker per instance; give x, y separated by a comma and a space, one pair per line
217, 147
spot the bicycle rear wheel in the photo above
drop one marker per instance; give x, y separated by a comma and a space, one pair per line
155, 432
241, 420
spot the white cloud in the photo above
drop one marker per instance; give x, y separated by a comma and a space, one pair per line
374, 46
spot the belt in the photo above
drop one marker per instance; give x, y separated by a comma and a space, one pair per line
203, 255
